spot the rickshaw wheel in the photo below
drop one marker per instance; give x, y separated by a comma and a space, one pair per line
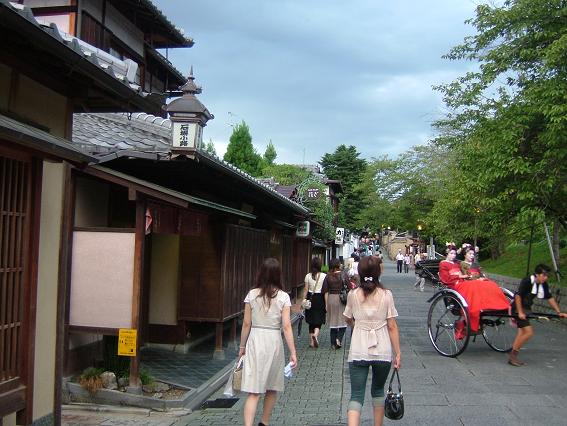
498, 332
449, 325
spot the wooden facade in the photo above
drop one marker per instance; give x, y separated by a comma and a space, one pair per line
18, 280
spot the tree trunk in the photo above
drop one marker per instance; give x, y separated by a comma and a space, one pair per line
555, 239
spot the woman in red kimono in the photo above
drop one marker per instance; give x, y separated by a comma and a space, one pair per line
480, 294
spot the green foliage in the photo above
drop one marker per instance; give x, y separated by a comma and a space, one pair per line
91, 372
513, 262
145, 377
508, 121
210, 147
270, 154
325, 269
321, 210
286, 174
345, 165
241, 153
119, 365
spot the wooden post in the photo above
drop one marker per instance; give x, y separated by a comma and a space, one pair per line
219, 351
233, 327
135, 384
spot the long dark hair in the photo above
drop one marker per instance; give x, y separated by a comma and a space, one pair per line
334, 265
315, 267
269, 279
369, 269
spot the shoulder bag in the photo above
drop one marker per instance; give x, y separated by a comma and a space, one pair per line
394, 403
343, 295
306, 303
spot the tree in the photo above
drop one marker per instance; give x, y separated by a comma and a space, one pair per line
508, 120
321, 209
241, 153
345, 165
210, 147
286, 174
270, 154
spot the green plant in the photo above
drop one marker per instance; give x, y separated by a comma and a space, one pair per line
145, 377
325, 268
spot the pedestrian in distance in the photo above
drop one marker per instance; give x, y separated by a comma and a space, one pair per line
370, 310
332, 286
400, 260
407, 261
266, 313
315, 316
532, 287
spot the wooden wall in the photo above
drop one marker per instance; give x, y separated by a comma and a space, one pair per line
200, 272
243, 253
301, 260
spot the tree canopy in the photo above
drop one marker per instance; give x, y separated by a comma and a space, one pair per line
241, 153
270, 154
286, 174
345, 164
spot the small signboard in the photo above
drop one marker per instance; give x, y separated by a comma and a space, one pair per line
127, 338
185, 135
313, 193
303, 229
339, 236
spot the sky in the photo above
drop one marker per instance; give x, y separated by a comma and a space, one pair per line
311, 75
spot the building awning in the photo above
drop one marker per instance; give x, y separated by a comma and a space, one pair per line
160, 192
39, 140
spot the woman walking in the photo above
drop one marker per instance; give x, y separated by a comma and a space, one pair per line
370, 309
332, 286
315, 316
266, 312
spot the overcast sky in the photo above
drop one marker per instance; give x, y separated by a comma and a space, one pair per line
311, 75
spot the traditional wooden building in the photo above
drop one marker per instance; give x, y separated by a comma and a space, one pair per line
45, 76
203, 228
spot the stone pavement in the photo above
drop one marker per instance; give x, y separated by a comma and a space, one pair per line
478, 388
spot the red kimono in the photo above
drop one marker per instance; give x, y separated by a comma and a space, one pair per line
480, 294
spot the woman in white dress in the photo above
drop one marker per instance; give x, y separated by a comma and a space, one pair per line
266, 312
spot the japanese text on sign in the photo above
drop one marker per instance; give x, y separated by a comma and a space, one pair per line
184, 135
127, 341
313, 193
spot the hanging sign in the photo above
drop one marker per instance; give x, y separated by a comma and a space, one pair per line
303, 229
339, 236
313, 193
185, 135
127, 341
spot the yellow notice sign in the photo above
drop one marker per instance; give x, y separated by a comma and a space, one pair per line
127, 341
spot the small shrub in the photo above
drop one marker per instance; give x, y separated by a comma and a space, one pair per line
325, 268
145, 377
90, 379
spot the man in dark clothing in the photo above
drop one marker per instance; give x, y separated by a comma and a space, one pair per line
532, 287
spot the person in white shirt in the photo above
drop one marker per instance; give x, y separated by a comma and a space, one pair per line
407, 261
400, 260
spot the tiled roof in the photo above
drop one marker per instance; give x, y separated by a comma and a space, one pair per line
106, 133
102, 134
73, 45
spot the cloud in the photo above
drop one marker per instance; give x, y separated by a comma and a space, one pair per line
312, 75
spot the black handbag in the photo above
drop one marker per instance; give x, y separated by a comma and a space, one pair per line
394, 403
343, 295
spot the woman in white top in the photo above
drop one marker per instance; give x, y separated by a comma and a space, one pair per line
370, 310
266, 312
315, 316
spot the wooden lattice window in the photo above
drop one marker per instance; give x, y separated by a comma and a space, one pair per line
15, 211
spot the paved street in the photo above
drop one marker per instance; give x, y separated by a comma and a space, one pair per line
478, 388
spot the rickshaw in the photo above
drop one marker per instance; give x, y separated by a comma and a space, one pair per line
448, 320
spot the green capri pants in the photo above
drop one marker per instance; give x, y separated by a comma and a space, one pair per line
359, 375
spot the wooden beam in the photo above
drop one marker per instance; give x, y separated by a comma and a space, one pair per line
63, 286
136, 293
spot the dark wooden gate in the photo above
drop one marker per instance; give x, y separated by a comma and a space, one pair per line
15, 211
287, 262
301, 260
244, 251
